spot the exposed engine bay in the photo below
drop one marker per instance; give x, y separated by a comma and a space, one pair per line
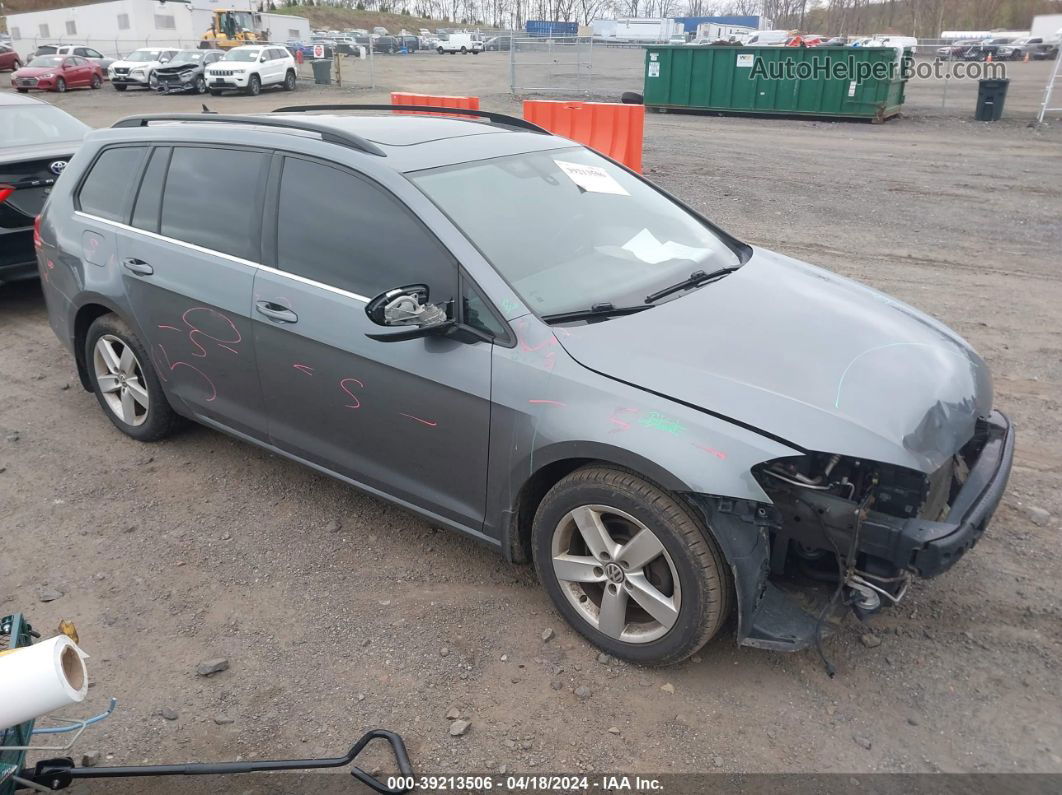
848, 521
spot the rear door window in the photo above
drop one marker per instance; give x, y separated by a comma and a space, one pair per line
149, 199
213, 198
107, 191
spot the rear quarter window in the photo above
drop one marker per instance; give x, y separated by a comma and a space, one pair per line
107, 190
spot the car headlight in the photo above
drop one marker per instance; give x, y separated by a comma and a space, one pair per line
137, 73
186, 77
48, 76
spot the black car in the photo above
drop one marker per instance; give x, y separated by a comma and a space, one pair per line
36, 142
388, 45
409, 43
498, 43
185, 72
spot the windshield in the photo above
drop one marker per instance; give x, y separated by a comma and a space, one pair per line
42, 61
22, 125
144, 55
570, 230
241, 55
188, 56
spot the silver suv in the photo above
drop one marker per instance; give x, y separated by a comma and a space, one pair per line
522, 340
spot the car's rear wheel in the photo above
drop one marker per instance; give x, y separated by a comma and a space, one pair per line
289, 81
96, 82
629, 566
254, 85
60, 85
125, 382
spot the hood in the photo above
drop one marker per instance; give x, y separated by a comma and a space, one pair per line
37, 71
135, 64
806, 356
60, 150
178, 66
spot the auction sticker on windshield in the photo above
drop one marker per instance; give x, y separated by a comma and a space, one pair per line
592, 179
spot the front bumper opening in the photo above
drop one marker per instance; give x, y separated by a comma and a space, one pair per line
866, 526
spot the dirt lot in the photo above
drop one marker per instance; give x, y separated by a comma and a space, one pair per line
338, 612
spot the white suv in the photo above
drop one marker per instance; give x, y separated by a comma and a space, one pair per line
250, 68
138, 67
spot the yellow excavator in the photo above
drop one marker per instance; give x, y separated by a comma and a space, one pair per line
231, 28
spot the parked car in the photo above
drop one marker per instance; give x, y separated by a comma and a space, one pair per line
502, 43
548, 393
37, 140
463, 43
1033, 46
186, 72
954, 50
771, 38
9, 59
57, 73
408, 43
388, 45
982, 51
138, 68
250, 68
86, 52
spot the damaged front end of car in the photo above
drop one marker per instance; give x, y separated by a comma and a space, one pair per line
861, 528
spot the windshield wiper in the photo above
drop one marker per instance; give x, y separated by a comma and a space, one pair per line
695, 279
596, 311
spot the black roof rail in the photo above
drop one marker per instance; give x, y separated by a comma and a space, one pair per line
326, 132
495, 118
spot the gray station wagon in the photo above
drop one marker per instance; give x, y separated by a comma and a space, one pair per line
522, 340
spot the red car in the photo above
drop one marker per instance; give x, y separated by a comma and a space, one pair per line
9, 58
57, 73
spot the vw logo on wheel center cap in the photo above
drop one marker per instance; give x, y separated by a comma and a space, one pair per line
614, 573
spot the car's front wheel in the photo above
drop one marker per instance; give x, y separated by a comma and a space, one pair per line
200, 85
125, 382
60, 85
254, 85
96, 82
629, 566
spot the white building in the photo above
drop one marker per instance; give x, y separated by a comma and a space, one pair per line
118, 27
635, 30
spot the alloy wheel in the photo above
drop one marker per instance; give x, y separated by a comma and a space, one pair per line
616, 573
120, 379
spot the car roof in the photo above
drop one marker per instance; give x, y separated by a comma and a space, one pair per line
19, 99
408, 142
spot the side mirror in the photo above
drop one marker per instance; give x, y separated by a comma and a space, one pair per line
409, 307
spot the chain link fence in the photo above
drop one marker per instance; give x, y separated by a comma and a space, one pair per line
574, 66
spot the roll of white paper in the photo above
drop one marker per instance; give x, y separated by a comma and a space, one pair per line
37, 679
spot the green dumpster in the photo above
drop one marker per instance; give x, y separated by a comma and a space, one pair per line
845, 82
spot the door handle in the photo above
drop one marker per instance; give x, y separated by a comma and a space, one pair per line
137, 266
277, 312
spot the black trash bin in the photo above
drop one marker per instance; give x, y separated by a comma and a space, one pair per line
991, 94
322, 71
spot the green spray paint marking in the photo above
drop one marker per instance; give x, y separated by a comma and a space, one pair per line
659, 422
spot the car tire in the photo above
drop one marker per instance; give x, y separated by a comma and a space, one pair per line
96, 82
254, 85
119, 87
475, 52
200, 85
289, 80
441, 51
125, 383
676, 567
464, 51
16, 66
60, 85
153, 82
22, 90
632, 98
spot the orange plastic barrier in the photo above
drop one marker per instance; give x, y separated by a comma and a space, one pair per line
612, 129
398, 98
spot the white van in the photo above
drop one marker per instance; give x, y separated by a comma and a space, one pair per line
770, 38
463, 43
899, 42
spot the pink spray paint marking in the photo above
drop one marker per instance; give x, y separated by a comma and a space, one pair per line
621, 425
547, 403
168, 327
173, 367
711, 450
429, 423
230, 350
303, 368
351, 395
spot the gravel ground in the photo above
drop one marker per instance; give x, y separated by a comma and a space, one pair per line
337, 612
